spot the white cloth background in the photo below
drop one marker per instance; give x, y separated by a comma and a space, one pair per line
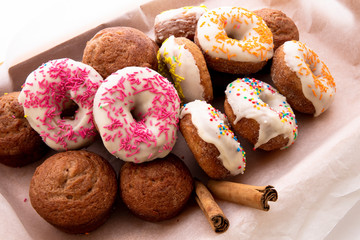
317, 178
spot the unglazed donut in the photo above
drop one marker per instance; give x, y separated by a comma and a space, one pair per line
179, 22
234, 40
52, 89
215, 147
182, 61
117, 47
282, 27
305, 81
136, 111
260, 114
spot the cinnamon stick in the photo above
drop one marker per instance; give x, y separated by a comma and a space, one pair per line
210, 208
248, 195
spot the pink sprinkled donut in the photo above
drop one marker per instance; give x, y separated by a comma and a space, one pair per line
136, 111
58, 100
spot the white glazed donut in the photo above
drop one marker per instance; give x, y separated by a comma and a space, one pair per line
136, 111
234, 35
46, 94
183, 61
213, 127
179, 22
300, 75
256, 100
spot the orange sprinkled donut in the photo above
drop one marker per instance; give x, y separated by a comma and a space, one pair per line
302, 78
234, 40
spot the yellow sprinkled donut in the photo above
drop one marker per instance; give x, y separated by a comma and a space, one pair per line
234, 40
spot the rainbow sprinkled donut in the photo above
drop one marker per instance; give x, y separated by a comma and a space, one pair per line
260, 114
136, 111
234, 40
215, 147
305, 80
51, 90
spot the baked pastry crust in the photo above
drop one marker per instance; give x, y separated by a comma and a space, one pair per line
282, 27
74, 191
114, 48
156, 190
19, 143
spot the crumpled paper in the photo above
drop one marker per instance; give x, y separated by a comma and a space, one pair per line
317, 178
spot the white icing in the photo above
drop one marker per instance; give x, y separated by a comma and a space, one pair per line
242, 35
48, 89
179, 14
136, 111
182, 66
253, 99
212, 127
309, 69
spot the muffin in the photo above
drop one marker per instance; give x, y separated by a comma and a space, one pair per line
19, 143
74, 191
156, 190
282, 27
114, 48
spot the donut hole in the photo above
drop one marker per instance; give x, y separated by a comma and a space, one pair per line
238, 31
69, 110
237, 35
268, 98
137, 114
313, 66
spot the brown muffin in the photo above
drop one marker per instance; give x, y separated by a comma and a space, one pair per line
282, 27
19, 143
74, 191
114, 48
156, 190
288, 83
206, 154
200, 64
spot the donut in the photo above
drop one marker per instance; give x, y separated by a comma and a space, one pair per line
260, 114
214, 146
305, 80
74, 191
19, 143
136, 111
58, 99
282, 27
117, 47
157, 190
234, 40
179, 22
181, 61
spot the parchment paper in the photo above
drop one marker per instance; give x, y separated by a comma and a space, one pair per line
317, 178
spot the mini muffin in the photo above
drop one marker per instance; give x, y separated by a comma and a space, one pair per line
74, 191
19, 143
282, 27
114, 48
156, 190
